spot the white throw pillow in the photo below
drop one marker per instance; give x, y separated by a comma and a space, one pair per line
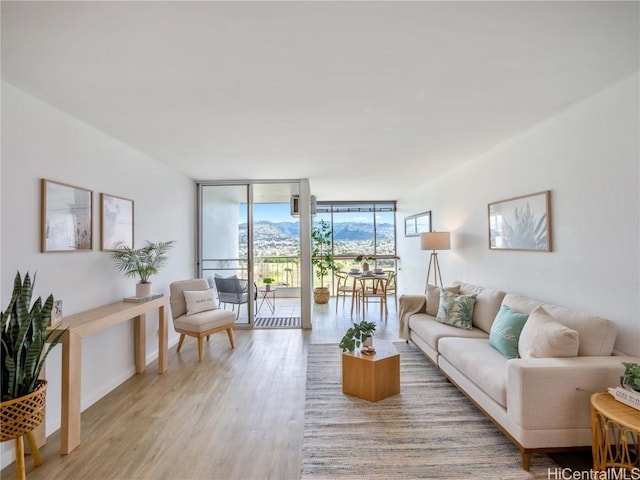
199, 301
544, 337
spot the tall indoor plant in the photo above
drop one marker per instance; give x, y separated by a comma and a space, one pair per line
322, 259
142, 262
23, 352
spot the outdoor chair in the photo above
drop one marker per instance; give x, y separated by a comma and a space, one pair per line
232, 290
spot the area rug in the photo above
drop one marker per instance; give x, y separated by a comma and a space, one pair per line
277, 322
430, 430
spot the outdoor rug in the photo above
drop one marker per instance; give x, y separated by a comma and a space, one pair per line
430, 430
277, 322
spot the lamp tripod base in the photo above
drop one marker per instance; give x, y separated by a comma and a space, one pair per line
437, 276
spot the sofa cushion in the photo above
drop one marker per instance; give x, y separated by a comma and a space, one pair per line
505, 331
480, 363
544, 337
199, 300
430, 331
488, 303
456, 310
597, 334
433, 297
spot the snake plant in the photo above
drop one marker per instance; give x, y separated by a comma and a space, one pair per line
24, 339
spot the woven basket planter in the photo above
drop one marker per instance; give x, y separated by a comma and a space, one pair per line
321, 295
21, 415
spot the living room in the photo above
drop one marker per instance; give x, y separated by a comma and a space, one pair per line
582, 146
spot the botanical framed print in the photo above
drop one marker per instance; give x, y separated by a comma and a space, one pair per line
116, 222
416, 224
66, 218
521, 223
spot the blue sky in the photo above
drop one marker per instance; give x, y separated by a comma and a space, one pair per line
274, 212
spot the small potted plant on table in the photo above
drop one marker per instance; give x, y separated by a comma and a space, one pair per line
631, 377
267, 283
360, 334
142, 262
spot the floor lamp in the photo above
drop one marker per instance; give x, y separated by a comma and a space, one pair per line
435, 241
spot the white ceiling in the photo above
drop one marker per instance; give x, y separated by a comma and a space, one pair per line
366, 99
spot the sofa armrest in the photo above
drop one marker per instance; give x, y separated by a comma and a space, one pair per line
553, 393
409, 305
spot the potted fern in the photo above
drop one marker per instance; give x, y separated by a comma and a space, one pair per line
23, 353
142, 262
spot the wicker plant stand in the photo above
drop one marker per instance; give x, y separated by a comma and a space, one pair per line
18, 417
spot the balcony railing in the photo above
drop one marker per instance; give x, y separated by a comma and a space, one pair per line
285, 271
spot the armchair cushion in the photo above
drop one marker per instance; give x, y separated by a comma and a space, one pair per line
204, 321
199, 300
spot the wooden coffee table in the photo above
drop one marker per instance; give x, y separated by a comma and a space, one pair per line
372, 377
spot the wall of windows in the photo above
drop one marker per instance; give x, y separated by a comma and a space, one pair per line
361, 228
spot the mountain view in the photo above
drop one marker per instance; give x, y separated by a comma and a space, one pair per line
350, 238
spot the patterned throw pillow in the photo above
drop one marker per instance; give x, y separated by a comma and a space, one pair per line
456, 310
433, 297
505, 331
199, 301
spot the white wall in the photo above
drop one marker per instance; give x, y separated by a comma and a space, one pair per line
588, 156
41, 142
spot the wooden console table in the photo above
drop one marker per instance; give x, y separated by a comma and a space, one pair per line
93, 321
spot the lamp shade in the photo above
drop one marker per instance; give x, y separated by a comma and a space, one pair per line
435, 241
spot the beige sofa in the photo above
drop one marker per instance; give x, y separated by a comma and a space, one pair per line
541, 404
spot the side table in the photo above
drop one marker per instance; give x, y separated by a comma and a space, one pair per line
268, 296
615, 429
372, 377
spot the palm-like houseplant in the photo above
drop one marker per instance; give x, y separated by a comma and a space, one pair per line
322, 259
23, 353
142, 262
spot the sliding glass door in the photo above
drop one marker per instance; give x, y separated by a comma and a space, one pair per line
224, 246
250, 251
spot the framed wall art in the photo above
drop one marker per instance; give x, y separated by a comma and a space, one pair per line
66, 217
116, 222
416, 224
521, 223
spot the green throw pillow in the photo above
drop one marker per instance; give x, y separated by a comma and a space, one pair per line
505, 331
456, 310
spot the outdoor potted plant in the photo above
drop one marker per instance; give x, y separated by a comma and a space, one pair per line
142, 262
267, 283
360, 334
322, 259
23, 352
